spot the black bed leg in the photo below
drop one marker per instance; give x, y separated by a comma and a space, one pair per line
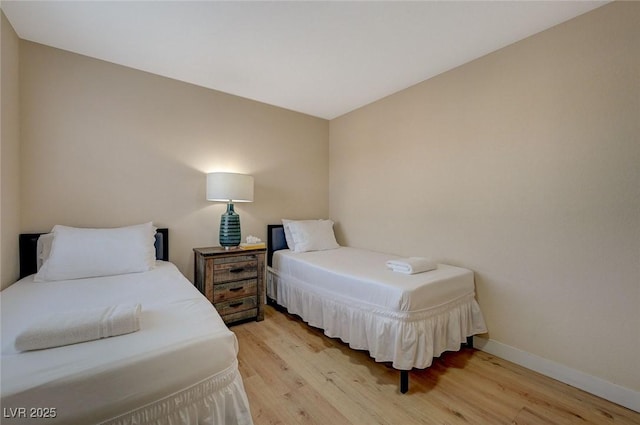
470, 341
404, 381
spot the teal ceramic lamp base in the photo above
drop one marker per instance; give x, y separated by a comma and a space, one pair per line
229, 228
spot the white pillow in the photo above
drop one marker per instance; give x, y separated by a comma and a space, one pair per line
43, 249
79, 253
287, 234
312, 235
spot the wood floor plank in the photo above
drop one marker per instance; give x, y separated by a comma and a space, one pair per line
528, 417
294, 374
275, 372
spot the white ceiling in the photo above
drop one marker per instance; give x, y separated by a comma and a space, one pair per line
321, 58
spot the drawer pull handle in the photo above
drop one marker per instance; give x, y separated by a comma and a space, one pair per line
234, 305
236, 270
239, 288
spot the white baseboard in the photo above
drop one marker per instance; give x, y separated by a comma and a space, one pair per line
615, 393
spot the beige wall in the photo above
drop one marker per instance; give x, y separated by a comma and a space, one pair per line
9, 154
524, 166
105, 145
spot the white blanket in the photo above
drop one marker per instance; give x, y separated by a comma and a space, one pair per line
362, 277
72, 327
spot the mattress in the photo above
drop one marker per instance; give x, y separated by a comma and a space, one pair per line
180, 367
362, 276
350, 294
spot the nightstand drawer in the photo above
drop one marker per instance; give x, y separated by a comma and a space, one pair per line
234, 268
238, 289
237, 305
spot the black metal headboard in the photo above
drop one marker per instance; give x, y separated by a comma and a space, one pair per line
29, 250
275, 240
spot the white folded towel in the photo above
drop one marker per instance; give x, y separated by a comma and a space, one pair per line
79, 326
412, 265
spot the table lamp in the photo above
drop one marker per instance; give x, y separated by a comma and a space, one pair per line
229, 188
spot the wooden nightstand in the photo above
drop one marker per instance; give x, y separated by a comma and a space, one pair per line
233, 280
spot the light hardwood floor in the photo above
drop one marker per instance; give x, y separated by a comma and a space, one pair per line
293, 374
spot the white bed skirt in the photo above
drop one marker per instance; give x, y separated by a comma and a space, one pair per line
218, 399
406, 339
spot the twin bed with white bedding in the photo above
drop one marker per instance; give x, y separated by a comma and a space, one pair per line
180, 367
405, 319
